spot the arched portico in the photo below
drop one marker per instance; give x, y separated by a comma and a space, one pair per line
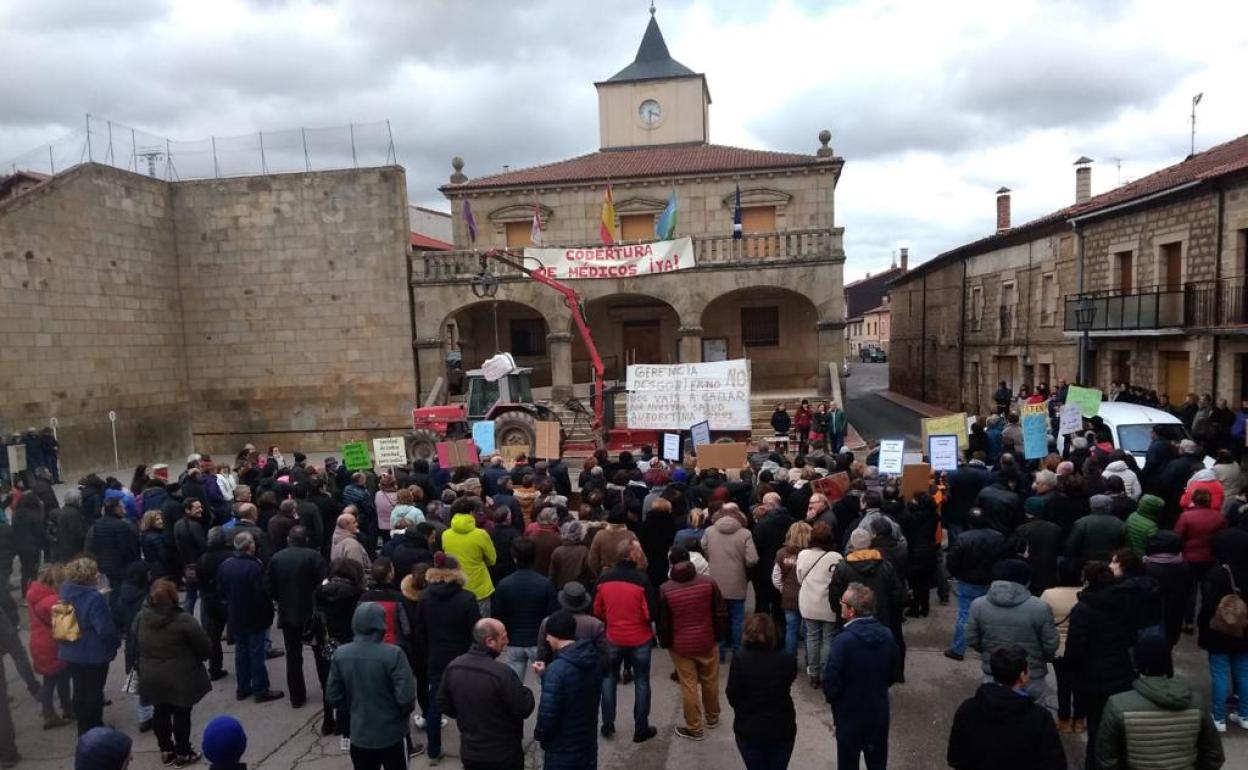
772, 326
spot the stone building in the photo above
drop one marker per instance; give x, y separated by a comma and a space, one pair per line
869, 331
1161, 262
774, 296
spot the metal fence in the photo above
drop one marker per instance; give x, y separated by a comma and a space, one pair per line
264, 152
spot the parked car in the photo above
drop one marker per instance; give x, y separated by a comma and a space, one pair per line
872, 355
1131, 427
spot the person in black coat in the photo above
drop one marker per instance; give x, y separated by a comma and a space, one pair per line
30, 535
964, 486
248, 613
1230, 548
970, 561
443, 625
153, 545
114, 544
1001, 503
919, 526
1039, 541
1163, 562
770, 529
759, 689
336, 601
216, 550
410, 547
1001, 726
567, 719
293, 575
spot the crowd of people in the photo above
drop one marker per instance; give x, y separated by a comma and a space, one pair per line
425, 594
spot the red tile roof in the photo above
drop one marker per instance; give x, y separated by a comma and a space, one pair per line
426, 243
632, 163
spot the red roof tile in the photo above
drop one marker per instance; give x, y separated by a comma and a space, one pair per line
426, 243
672, 160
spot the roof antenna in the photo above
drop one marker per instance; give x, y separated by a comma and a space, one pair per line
651, 7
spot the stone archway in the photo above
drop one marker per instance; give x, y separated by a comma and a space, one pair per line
775, 328
627, 328
470, 336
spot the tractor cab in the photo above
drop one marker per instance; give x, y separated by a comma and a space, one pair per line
484, 395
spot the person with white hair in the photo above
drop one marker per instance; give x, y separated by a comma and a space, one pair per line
249, 613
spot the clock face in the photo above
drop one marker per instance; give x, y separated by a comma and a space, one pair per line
650, 113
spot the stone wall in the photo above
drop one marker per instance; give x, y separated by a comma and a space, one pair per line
924, 358
296, 306
90, 318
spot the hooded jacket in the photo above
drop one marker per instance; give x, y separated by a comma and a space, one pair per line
567, 718
1160, 722
373, 681
1197, 526
444, 618
1098, 645
99, 640
971, 557
858, 671
1130, 482
475, 550
489, 704
729, 548
1096, 535
39, 601
869, 568
1144, 523
172, 650
1009, 614
998, 727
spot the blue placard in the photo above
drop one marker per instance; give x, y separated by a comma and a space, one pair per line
1035, 422
483, 436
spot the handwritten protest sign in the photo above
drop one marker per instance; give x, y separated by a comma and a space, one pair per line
355, 456
891, 451
483, 436
943, 452
701, 433
671, 446
949, 424
1035, 420
389, 452
623, 261
1071, 419
667, 397
1087, 399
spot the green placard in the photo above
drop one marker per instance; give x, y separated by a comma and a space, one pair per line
1087, 399
355, 456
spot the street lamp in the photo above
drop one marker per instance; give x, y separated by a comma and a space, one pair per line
1085, 315
484, 285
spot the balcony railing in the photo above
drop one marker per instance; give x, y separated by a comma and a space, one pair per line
709, 251
1158, 307
1217, 303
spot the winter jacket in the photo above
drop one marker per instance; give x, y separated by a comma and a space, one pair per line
869, 568
972, 556
781, 422
30, 524
814, 570
1002, 506
475, 551
489, 704
1009, 614
545, 542
964, 486
729, 548
100, 639
360, 497
692, 613
1231, 548
1041, 540
336, 601
858, 671
570, 563
291, 578
784, 577
522, 600
998, 727
626, 602
1143, 524
155, 553
759, 689
373, 681
444, 619
71, 533
1159, 722
248, 608
769, 534
1130, 481
347, 546
567, 717
114, 544
1095, 536
190, 539
1061, 600
1197, 526
39, 601
1098, 645
587, 627
172, 650
408, 551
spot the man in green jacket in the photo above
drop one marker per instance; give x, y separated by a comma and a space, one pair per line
374, 682
1142, 524
1160, 722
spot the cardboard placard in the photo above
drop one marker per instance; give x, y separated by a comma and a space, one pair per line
833, 486
458, 453
389, 452
891, 452
723, 456
701, 432
943, 452
547, 441
510, 453
483, 436
355, 456
1087, 399
1070, 420
1035, 421
915, 479
671, 447
954, 424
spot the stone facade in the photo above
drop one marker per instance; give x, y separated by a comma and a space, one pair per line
925, 314
268, 309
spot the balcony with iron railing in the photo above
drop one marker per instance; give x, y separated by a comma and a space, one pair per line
710, 252
1217, 304
1148, 309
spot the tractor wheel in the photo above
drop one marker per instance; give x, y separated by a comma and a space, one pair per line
516, 428
422, 445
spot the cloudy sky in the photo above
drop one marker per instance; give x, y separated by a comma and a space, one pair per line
933, 105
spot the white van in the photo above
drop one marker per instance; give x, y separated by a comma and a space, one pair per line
1131, 427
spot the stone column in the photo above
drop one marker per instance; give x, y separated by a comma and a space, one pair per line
690, 344
559, 347
830, 348
431, 360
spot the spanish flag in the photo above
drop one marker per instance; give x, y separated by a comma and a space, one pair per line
606, 228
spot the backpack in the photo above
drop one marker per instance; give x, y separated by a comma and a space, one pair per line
1230, 617
65, 622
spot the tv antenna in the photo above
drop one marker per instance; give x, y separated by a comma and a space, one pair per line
151, 155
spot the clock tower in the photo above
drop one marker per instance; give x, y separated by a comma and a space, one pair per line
654, 101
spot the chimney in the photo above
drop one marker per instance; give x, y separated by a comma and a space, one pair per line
1003, 209
1083, 179
905, 259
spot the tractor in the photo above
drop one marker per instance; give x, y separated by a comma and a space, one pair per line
507, 401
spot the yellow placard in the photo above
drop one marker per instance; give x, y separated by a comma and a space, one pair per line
947, 425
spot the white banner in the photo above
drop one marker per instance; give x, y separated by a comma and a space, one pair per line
389, 452
678, 395
615, 261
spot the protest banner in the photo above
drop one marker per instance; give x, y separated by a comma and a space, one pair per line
624, 261
949, 424
671, 447
891, 455
456, 454
17, 457
390, 452
915, 479
1035, 422
547, 447
701, 433
943, 452
1087, 399
355, 456
1071, 419
483, 436
723, 456
675, 396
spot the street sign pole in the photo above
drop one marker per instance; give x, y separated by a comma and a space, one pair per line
112, 419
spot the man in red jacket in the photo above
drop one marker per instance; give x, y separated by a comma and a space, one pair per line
625, 602
693, 618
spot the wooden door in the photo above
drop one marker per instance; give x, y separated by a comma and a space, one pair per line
1172, 255
637, 227
641, 342
1178, 374
1126, 271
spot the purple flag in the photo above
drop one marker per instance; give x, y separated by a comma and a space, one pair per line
470, 222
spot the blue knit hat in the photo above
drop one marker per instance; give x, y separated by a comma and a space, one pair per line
224, 741
101, 748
